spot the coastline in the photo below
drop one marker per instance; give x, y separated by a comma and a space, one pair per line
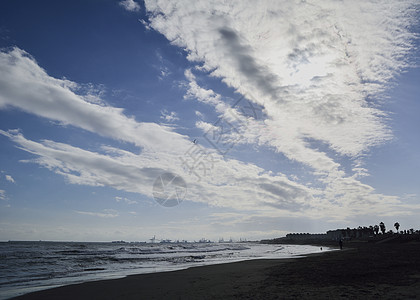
77, 262
361, 270
201, 282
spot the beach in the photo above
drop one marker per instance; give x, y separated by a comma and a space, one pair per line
359, 271
33, 266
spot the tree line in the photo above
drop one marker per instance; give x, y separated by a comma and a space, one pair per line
382, 228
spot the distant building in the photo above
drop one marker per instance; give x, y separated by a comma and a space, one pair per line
333, 235
306, 236
347, 234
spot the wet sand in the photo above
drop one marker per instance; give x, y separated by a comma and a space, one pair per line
359, 271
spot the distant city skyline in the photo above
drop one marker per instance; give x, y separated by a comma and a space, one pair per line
124, 120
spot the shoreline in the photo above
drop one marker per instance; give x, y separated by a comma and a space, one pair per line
249, 253
385, 271
164, 284
117, 276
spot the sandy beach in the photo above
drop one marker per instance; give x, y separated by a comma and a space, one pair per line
359, 271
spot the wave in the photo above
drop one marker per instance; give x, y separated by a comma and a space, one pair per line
32, 264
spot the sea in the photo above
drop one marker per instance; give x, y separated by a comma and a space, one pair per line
31, 266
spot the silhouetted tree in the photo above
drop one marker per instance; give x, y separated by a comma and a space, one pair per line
382, 226
348, 232
376, 229
397, 226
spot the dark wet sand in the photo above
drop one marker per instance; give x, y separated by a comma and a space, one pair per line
364, 271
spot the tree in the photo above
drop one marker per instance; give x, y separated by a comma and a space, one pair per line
397, 226
382, 226
376, 229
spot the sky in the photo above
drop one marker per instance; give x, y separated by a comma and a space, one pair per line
124, 120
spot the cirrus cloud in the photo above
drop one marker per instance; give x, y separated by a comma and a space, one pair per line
318, 68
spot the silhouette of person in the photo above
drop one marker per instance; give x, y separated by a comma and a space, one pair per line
341, 244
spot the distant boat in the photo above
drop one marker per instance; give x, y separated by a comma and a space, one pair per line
153, 239
203, 240
118, 242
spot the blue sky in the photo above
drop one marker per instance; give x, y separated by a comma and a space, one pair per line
278, 117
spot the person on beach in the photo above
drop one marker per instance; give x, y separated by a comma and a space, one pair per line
340, 242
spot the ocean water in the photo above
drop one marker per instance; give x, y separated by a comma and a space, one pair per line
32, 266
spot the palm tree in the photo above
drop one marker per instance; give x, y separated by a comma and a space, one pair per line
397, 226
382, 226
376, 229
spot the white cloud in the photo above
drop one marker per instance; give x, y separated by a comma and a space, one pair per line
126, 200
10, 178
2, 195
162, 67
79, 166
199, 114
169, 116
227, 183
319, 69
130, 5
263, 132
145, 24
312, 65
54, 99
203, 95
107, 213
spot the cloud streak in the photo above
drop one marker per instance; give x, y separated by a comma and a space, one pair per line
231, 184
3, 195
55, 99
319, 69
315, 67
107, 213
126, 200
